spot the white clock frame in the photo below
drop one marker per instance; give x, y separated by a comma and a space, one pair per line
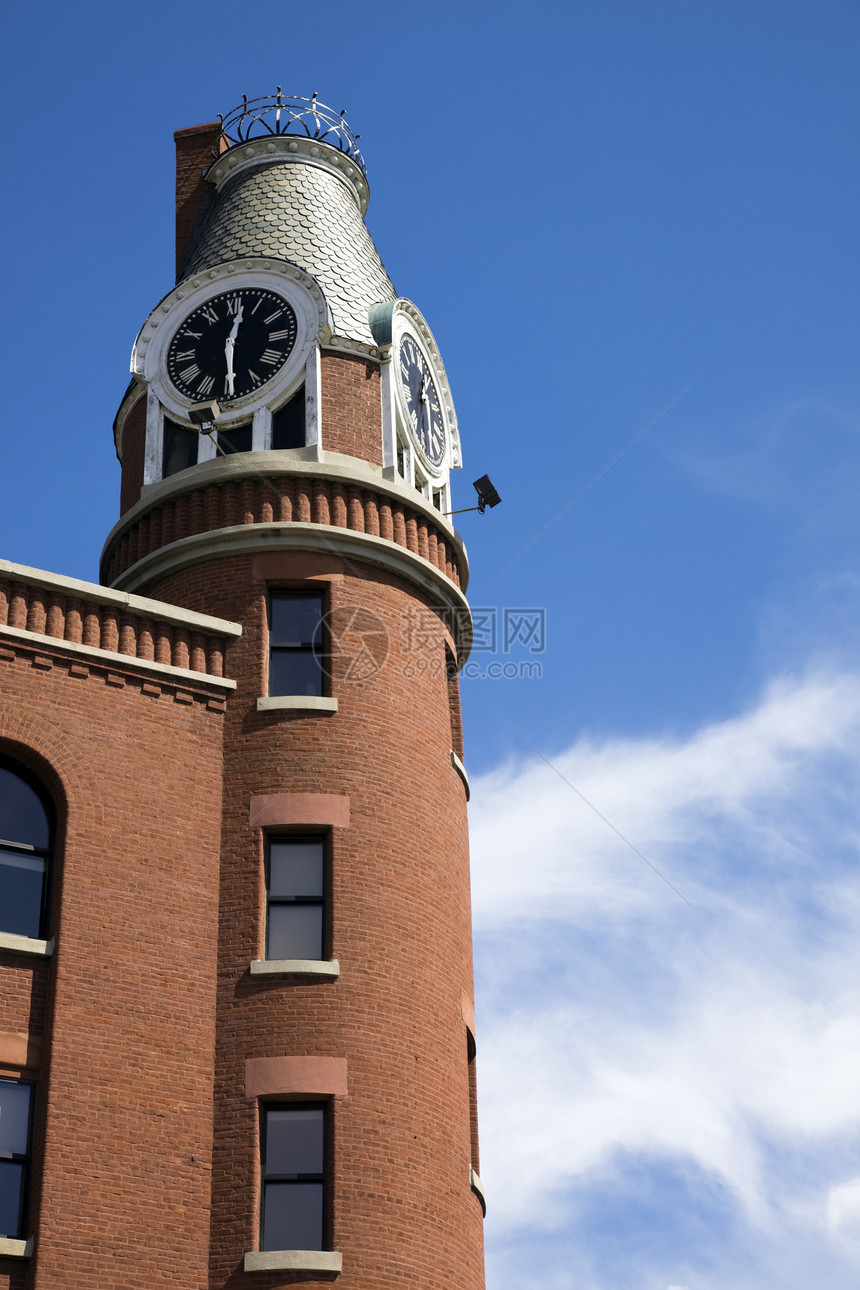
390, 322
149, 355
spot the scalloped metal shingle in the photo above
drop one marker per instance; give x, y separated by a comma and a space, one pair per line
299, 212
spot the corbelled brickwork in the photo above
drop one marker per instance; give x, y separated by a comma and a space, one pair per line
267, 499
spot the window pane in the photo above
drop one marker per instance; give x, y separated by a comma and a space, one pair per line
294, 1141
295, 672
14, 1117
11, 1184
296, 868
292, 1216
235, 440
295, 932
22, 815
180, 449
288, 424
22, 880
295, 619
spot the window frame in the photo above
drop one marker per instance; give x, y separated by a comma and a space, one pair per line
298, 404
321, 1179
23, 773
25, 1160
224, 444
322, 902
317, 651
169, 427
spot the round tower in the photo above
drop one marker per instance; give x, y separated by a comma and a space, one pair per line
286, 446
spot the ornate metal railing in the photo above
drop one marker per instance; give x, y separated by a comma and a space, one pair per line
255, 118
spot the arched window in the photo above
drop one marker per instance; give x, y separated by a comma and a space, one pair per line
26, 839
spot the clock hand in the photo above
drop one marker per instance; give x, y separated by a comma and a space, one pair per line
229, 346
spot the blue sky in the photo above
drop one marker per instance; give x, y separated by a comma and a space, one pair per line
596, 206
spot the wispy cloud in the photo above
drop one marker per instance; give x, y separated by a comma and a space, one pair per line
713, 1054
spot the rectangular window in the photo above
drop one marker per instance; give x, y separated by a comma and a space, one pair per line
16, 1115
288, 423
22, 891
236, 440
293, 1148
179, 449
26, 828
295, 643
295, 888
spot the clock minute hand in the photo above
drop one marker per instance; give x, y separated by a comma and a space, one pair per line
229, 346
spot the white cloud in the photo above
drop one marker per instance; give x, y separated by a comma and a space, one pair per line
620, 1028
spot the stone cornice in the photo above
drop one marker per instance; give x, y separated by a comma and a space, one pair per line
140, 606
348, 544
308, 462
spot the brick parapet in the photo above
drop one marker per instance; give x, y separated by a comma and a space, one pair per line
263, 497
48, 616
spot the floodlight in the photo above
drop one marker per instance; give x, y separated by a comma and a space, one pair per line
203, 414
487, 495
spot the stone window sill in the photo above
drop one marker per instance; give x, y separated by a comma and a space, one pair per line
11, 1249
294, 1261
26, 945
296, 703
478, 1188
461, 771
327, 968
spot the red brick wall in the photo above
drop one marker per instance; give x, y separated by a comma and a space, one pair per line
351, 407
133, 453
403, 1214
196, 149
123, 1139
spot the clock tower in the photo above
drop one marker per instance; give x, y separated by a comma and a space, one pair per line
286, 445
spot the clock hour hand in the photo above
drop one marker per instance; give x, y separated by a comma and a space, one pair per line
229, 346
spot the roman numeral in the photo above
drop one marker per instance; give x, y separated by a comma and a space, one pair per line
190, 373
254, 377
270, 357
205, 386
209, 314
187, 335
233, 303
257, 305
272, 317
280, 335
184, 356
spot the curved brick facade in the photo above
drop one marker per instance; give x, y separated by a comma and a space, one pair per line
268, 498
403, 1212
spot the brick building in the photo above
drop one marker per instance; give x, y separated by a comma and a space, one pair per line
236, 1021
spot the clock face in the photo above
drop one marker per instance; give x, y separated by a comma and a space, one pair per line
232, 345
422, 401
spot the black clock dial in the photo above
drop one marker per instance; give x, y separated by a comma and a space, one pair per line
232, 345
422, 401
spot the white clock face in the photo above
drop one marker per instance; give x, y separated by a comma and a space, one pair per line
232, 345
421, 400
